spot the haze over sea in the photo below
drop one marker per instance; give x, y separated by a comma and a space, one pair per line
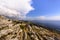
49, 24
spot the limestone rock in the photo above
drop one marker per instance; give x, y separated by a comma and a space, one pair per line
21, 30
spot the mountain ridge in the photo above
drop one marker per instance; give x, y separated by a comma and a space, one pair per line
24, 30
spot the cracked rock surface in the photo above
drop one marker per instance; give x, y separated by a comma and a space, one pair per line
21, 30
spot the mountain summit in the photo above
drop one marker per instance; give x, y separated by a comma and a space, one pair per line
24, 30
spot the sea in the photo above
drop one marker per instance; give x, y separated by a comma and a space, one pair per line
49, 24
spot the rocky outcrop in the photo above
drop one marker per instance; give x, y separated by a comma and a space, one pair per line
21, 30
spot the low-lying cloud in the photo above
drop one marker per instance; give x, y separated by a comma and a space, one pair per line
48, 18
15, 8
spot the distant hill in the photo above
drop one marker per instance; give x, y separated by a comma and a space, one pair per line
24, 30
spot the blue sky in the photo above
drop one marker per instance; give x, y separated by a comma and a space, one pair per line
45, 8
22, 9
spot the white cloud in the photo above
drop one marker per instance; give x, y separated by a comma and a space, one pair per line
48, 18
15, 8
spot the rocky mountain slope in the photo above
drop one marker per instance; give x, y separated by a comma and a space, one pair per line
23, 30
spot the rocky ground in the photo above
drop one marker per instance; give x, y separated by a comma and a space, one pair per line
21, 30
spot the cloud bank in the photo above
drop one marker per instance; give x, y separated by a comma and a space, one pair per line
43, 18
48, 18
15, 8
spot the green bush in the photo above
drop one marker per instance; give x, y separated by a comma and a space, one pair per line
22, 26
